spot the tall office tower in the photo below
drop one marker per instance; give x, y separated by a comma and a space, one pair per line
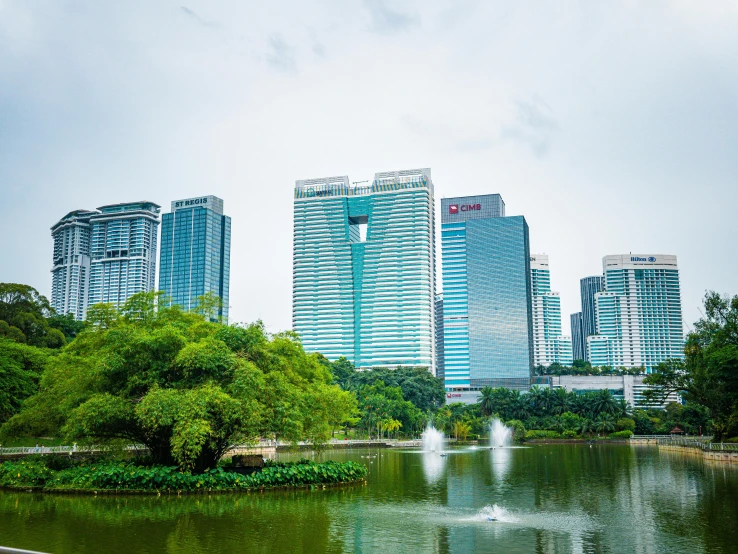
487, 323
578, 342
639, 313
549, 346
196, 253
364, 269
589, 286
123, 251
71, 271
440, 364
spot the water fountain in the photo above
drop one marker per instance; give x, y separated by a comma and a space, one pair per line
499, 435
433, 439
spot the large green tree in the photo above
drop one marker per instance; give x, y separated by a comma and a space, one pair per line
184, 387
20, 369
24, 317
709, 373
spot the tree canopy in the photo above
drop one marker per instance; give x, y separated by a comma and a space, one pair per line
184, 387
709, 373
24, 317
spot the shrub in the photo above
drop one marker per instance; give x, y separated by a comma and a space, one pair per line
569, 434
626, 434
107, 475
541, 434
518, 430
625, 424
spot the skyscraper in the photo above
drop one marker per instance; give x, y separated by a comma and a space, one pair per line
578, 341
364, 269
487, 324
71, 266
549, 346
639, 313
123, 248
196, 253
440, 362
589, 286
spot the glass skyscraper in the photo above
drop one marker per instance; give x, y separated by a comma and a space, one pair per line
71, 267
123, 247
487, 323
578, 342
549, 346
440, 363
364, 268
196, 253
589, 286
639, 313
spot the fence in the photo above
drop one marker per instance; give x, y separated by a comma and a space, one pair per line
700, 444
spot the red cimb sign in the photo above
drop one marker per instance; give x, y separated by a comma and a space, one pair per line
453, 395
471, 207
453, 209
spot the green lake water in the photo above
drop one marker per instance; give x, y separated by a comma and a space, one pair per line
547, 498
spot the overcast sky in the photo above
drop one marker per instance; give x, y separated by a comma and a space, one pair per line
611, 126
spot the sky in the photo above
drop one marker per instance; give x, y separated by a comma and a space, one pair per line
611, 126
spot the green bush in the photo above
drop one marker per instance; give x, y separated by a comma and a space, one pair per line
541, 434
625, 424
108, 475
518, 430
569, 434
731, 440
621, 434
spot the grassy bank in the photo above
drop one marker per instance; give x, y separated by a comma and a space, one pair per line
57, 474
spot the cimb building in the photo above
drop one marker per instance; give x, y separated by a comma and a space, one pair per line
639, 312
487, 323
196, 253
364, 268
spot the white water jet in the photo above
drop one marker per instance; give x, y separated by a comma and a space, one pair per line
433, 439
499, 435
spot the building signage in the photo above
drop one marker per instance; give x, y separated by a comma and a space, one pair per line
453, 395
455, 208
191, 202
637, 259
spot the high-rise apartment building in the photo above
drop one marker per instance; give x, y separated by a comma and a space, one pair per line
487, 324
123, 246
71, 267
578, 342
639, 312
364, 268
589, 286
549, 346
196, 253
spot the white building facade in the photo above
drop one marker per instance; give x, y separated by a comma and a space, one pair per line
639, 312
70, 273
549, 345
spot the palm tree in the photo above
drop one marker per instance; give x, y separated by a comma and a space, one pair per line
603, 402
487, 401
604, 423
585, 426
560, 401
537, 397
624, 408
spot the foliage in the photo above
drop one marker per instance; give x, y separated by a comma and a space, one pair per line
625, 434
418, 385
381, 405
708, 376
24, 317
518, 430
541, 434
20, 369
581, 367
111, 475
184, 387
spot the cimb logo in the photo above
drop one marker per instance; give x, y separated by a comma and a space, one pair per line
453, 209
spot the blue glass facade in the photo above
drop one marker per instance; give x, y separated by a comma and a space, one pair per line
195, 253
364, 270
589, 286
486, 294
577, 337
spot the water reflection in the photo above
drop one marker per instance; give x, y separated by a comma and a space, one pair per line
500, 459
434, 465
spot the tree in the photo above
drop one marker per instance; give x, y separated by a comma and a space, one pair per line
343, 371
461, 430
20, 369
69, 326
23, 317
709, 373
185, 388
487, 401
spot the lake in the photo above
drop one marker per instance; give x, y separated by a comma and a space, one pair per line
546, 499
